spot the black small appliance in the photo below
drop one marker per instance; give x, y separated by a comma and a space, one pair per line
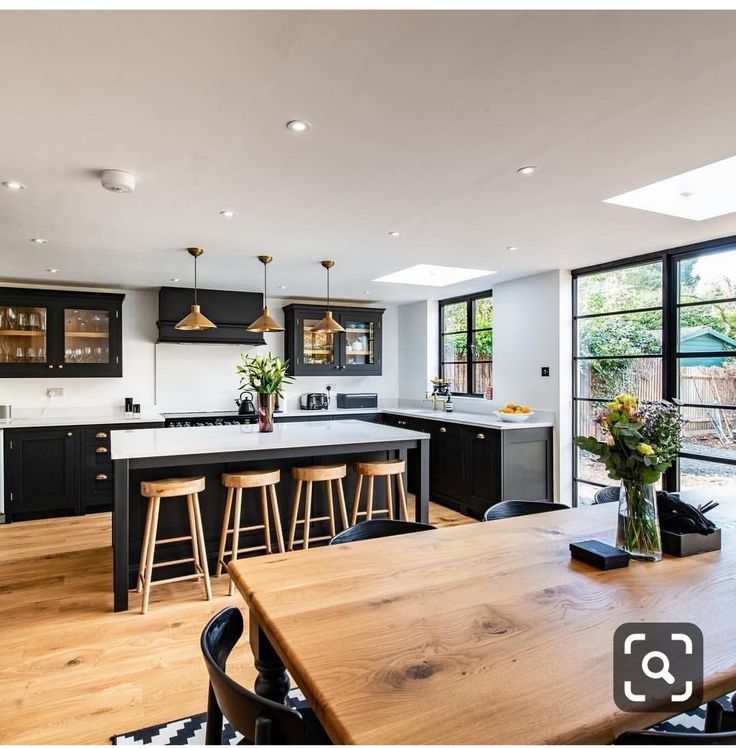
357, 399
314, 401
245, 404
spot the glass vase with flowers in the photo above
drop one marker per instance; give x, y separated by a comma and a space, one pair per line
640, 441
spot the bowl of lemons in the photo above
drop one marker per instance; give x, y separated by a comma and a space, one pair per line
513, 413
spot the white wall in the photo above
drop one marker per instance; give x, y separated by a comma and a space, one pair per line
182, 377
417, 355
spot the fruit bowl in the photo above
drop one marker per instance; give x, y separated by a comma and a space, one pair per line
514, 417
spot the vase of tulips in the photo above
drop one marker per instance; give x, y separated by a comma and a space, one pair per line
265, 376
640, 441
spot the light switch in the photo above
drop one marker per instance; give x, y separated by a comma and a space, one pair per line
55, 392
545, 371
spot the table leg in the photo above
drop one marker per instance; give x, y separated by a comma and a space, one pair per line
120, 512
421, 503
272, 681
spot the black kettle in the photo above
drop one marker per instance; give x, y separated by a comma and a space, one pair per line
245, 404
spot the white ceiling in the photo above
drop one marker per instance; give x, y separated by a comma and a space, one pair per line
419, 122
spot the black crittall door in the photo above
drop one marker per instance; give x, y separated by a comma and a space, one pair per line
43, 471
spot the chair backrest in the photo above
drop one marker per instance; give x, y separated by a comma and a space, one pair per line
518, 508
606, 495
378, 528
260, 720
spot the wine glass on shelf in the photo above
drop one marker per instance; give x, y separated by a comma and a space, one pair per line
87, 355
5, 348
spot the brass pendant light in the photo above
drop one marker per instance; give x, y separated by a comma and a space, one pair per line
195, 320
265, 323
327, 324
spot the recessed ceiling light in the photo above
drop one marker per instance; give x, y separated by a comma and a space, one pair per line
698, 194
14, 186
394, 234
512, 248
283, 288
367, 293
228, 213
527, 169
39, 240
298, 125
432, 275
175, 280
52, 270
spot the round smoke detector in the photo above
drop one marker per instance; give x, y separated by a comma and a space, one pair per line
116, 180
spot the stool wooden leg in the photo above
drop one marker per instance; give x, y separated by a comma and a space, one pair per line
144, 546
236, 533
149, 554
402, 496
295, 512
389, 498
356, 500
223, 532
202, 547
193, 533
307, 513
341, 500
330, 508
266, 523
369, 499
276, 518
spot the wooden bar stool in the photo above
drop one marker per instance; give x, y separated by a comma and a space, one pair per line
155, 490
235, 484
370, 470
316, 474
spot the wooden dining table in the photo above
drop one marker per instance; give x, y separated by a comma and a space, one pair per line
482, 633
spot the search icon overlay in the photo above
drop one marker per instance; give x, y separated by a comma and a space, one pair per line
657, 667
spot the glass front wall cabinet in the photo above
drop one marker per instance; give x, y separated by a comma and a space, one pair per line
46, 333
355, 352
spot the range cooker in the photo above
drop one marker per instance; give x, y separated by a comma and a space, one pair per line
216, 418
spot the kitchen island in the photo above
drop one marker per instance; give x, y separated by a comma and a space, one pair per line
160, 453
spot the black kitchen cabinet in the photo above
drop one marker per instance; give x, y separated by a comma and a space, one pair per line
355, 352
42, 471
472, 468
60, 333
51, 472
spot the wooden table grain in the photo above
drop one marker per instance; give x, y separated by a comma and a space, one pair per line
484, 633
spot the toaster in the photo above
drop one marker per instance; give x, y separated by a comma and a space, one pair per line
314, 401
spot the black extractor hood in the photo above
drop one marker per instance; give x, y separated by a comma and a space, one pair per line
231, 311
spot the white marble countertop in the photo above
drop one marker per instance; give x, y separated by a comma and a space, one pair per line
489, 421
83, 419
163, 442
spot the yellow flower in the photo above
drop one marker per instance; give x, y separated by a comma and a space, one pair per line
644, 449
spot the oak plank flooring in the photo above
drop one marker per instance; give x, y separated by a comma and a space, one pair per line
74, 672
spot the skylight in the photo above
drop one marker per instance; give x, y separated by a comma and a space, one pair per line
699, 194
432, 275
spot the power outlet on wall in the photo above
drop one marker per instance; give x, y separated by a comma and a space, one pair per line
545, 371
54, 392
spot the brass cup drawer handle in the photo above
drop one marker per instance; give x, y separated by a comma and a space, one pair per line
101, 450
480, 436
443, 430
401, 423
100, 435
101, 476
69, 433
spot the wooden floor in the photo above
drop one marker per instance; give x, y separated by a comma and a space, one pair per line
74, 672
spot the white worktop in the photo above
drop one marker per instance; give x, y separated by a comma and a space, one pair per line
81, 419
482, 420
163, 442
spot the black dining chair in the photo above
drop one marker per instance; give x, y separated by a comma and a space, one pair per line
607, 495
378, 528
261, 721
518, 508
719, 729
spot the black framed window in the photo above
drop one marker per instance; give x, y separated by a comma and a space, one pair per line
466, 343
660, 326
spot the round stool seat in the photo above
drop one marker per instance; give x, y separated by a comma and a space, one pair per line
380, 467
316, 473
164, 487
251, 478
